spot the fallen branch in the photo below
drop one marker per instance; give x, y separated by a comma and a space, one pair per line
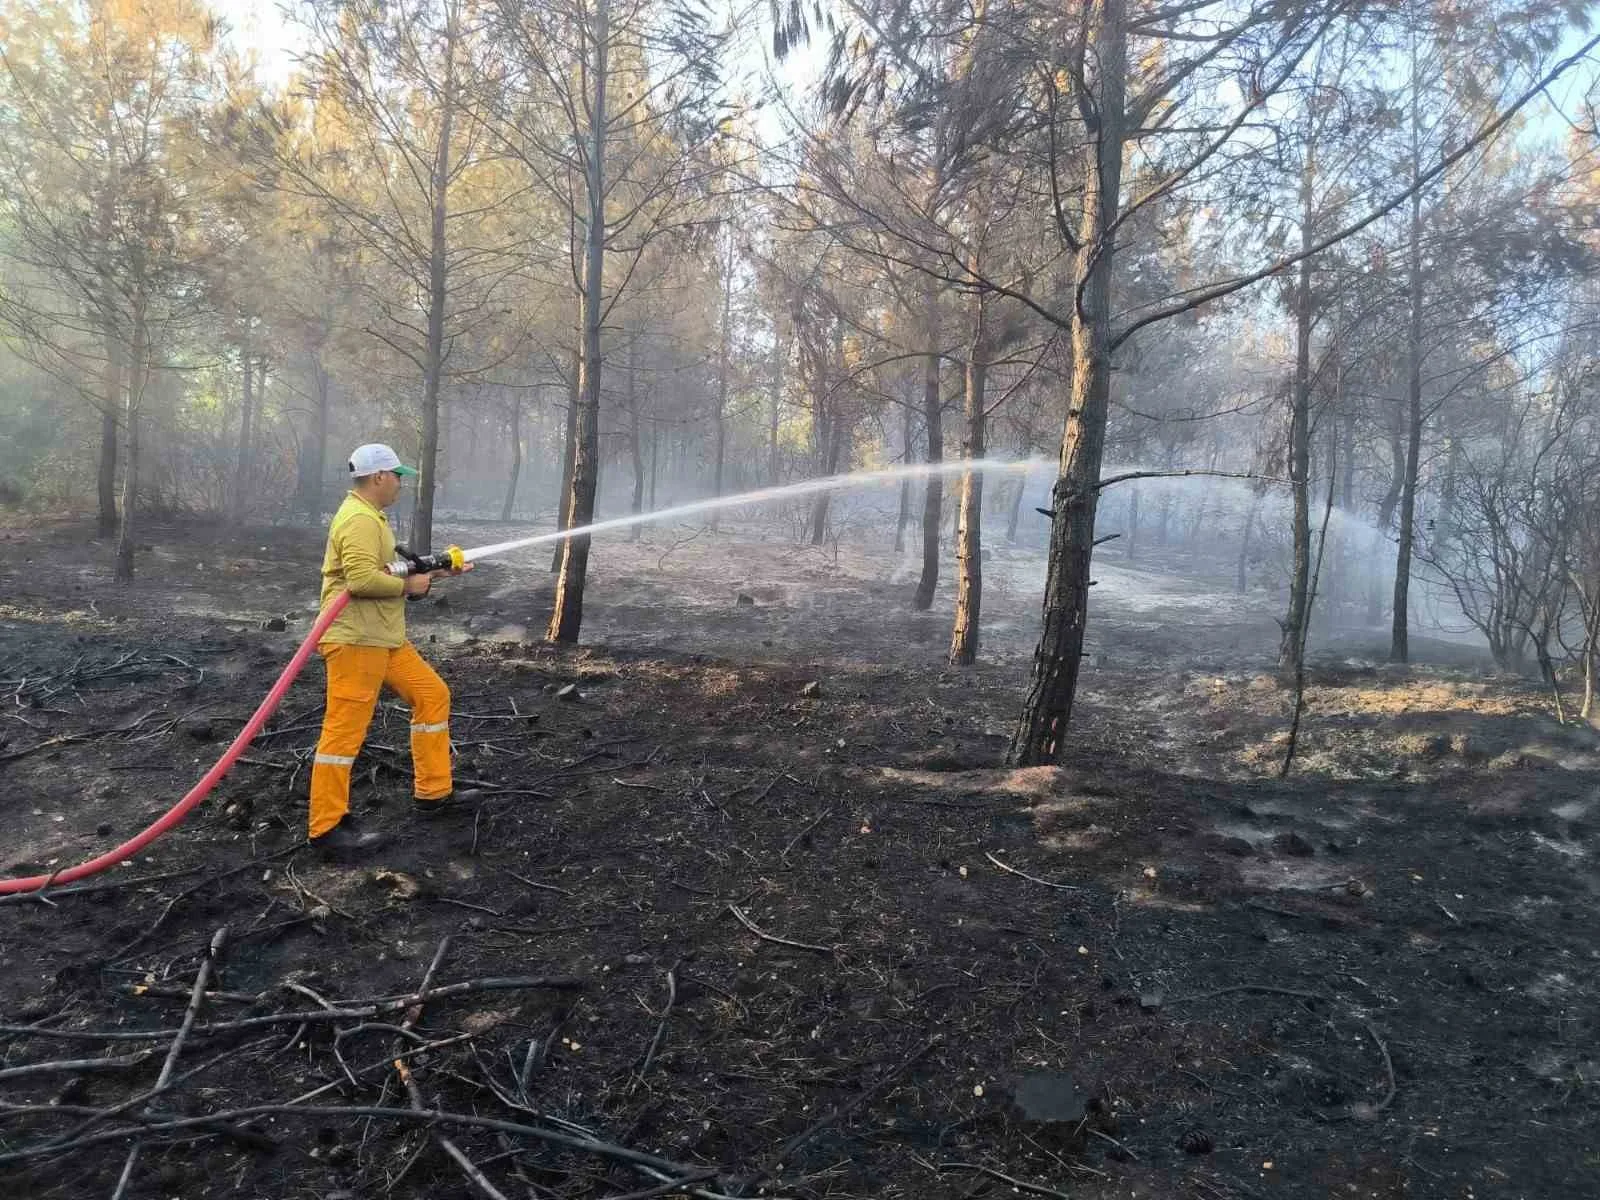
173, 991
43, 894
765, 792
661, 1027
638, 787
63, 740
1106, 1137
98, 1116
411, 1116
1257, 988
818, 820
414, 1093
772, 937
123, 951
1372, 1110
77, 1066
536, 885
1060, 887
318, 1015
196, 998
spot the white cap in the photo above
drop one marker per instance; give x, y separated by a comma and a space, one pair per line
375, 457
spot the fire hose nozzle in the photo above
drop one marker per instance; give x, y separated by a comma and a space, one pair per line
451, 559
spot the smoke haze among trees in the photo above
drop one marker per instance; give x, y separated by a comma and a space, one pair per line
579, 258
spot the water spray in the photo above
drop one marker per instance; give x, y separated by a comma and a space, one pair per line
806, 487
453, 559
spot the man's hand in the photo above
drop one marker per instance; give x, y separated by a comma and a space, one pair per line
418, 585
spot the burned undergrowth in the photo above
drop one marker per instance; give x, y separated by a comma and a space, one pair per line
774, 920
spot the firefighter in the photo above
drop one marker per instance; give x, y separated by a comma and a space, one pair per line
366, 649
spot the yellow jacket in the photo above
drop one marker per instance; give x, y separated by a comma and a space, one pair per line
360, 545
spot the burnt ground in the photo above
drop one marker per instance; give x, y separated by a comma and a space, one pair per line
1157, 971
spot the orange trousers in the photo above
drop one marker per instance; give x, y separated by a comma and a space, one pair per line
356, 674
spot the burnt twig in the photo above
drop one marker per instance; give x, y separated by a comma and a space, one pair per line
1060, 887
316, 1016
1257, 988
77, 1066
818, 820
536, 885
103, 885
661, 1027
772, 937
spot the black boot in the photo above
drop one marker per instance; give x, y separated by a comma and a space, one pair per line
343, 841
454, 802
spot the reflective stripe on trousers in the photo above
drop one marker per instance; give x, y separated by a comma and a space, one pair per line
356, 675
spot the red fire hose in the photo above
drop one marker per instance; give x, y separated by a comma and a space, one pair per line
175, 815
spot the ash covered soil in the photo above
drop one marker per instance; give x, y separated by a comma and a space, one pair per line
787, 939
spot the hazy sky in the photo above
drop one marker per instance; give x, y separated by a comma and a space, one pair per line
259, 27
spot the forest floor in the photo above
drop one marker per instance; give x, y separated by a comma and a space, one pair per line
808, 940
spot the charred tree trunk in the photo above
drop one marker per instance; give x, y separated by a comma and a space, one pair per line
1399, 647
774, 417
824, 455
110, 434
969, 531
568, 453
1015, 515
1198, 520
567, 618
933, 493
1347, 500
239, 500
1042, 725
507, 508
828, 427
819, 510
1590, 596
903, 517
1386, 507
1289, 650
635, 438
655, 442
138, 380
314, 458
438, 283
1449, 493
111, 401
726, 332
1242, 583
1132, 535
